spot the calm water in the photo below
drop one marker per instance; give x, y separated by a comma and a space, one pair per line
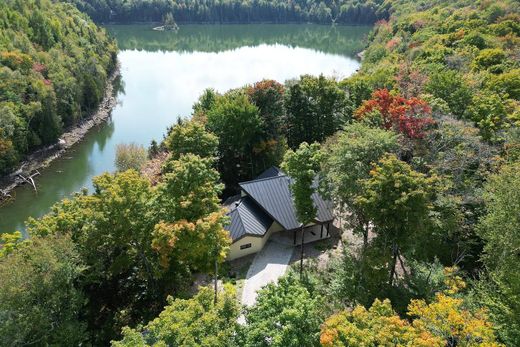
163, 73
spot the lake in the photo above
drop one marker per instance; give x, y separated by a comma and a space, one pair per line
163, 73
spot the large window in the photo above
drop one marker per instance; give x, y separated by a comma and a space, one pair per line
247, 245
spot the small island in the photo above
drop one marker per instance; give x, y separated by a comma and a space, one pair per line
169, 24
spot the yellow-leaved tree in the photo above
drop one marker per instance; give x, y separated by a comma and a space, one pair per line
444, 322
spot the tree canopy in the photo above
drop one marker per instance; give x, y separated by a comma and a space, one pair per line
54, 65
234, 11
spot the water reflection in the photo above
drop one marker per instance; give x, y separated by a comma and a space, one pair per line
344, 40
66, 175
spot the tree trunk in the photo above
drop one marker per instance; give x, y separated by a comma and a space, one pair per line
394, 262
402, 264
365, 235
301, 255
216, 281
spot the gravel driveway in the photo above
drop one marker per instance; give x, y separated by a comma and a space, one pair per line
269, 264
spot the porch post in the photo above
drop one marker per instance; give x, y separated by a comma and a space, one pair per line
321, 232
328, 229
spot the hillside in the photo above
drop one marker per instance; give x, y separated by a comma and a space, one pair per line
462, 56
54, 63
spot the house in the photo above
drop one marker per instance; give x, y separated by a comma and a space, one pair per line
265, 210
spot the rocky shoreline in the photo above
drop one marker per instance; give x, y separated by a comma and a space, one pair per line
43, 157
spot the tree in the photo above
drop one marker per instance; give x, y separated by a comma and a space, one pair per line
189, 322
112, 233
51, 69
191, 137
141, 243
451, 87
9, 242
268, 96
39, 301
444, 322
169, 22
500, 228
303, 166
237, 124
489, 59
130, 156
377, 326
398, 201
348, 159
489, 113
316, 108
410, 117
454, 151
189, 190
187, 206
285, 314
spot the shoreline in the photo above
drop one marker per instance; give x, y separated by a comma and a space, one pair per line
44, 157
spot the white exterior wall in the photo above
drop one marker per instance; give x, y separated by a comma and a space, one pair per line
257, 243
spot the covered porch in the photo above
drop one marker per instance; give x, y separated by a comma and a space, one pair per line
310, 234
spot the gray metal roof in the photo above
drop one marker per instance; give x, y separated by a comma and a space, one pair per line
247, 218
273, 171
274, 196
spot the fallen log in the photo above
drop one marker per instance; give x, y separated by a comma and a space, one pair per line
30, 179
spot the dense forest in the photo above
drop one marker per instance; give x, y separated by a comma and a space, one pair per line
54, 64
234, 11
419, 151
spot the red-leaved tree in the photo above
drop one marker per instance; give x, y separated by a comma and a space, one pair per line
410, 116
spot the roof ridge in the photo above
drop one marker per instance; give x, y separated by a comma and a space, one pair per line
263, 179
261, 205
240, 219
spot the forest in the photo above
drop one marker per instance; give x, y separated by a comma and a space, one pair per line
54, 64
234, 11
419, 152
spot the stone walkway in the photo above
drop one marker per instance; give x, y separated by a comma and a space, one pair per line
269, 264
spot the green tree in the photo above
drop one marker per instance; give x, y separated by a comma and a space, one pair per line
206, 101
303, 166
454, 151
237, 124
285, 314
489, 113
268, 96
450, 87
130, 156
348, 159
39, 301
398, 201
140, 243
52, 70
9, 242
189, 190
191, 137
189, 322
316, 108
187, 206
500, 230
112, 234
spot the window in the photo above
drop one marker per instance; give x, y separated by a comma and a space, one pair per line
247, 245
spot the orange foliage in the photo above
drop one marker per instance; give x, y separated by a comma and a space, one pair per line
408, 116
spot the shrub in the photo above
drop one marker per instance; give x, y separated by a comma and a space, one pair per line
130, 156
